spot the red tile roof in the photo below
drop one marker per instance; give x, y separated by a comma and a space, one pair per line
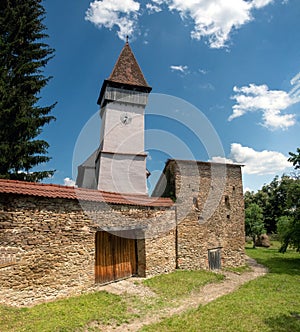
127, 70
58, 191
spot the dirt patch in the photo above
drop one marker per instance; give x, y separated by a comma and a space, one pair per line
131, 286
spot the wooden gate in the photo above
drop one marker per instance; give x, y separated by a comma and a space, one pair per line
115, 257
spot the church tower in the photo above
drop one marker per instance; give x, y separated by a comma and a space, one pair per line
121, 160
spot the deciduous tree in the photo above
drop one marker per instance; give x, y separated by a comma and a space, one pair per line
295, 158
254, 222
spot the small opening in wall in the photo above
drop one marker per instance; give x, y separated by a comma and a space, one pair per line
227, 201
201, 220
233, 188
228, 216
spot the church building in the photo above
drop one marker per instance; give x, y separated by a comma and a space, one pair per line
58, 241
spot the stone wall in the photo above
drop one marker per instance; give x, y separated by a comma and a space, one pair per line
47, 246
210, 213
161, 253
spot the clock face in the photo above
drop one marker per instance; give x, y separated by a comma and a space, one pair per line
125, 118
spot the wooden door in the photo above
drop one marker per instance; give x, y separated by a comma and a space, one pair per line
214, 259
115, 257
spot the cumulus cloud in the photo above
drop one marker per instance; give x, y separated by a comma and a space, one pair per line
153, 8
69, 182
180, 68
258, 162
255, 162
215, 19
110, 13
271, 103
211, 19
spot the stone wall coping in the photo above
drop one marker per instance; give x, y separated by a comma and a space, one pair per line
199, 162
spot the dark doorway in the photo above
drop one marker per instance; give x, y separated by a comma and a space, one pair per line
214, 259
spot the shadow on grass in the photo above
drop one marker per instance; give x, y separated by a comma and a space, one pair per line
284, 323
282, 265
279, 263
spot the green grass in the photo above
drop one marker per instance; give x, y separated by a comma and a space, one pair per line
267, 304
180, 283
66, 315
75, 313
239, 269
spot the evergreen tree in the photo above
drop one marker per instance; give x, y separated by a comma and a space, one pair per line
23, 54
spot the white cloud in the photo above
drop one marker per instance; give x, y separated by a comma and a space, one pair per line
153, 8
271, 103
69, 182
211, 19
215, 19
180, 68
258, 162
260, 3
110, 13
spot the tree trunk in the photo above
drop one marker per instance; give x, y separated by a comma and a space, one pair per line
254, 239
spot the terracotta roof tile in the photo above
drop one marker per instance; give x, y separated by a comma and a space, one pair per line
58, 191
127, 70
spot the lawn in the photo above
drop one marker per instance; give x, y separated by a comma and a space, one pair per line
66, 315
269, 303
102, 308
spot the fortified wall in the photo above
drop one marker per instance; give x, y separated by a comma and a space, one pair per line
209, 211
48, 244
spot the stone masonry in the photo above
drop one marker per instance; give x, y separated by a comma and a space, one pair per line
210, 211
47, 246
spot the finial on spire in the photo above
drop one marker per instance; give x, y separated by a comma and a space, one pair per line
127, 37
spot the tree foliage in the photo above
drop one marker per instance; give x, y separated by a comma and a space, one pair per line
295, 158
289, 232
254, 222
275, 199
23, 54
280, 204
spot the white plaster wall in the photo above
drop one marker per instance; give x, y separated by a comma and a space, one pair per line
122, 174
119, 137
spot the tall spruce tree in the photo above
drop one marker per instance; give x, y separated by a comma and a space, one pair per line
23, 55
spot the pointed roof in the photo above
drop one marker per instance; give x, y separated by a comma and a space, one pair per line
127, 70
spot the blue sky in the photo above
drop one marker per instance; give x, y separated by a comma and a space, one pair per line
234, 65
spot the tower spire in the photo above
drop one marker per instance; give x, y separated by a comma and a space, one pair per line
126, 72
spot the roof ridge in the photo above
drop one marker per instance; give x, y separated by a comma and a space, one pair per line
48, 190
35, 183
